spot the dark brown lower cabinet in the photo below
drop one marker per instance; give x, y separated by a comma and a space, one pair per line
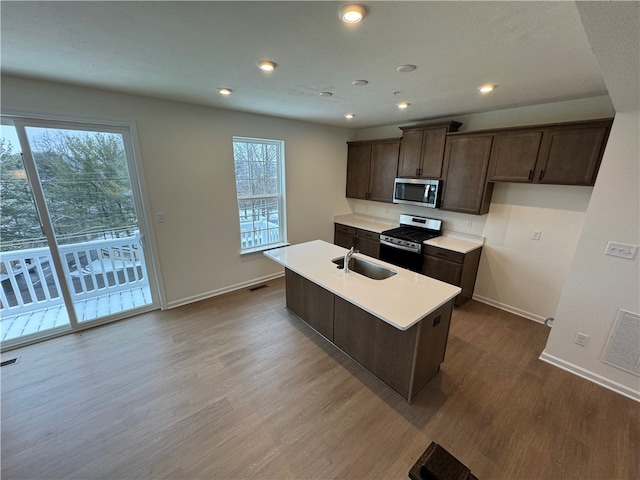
405, 360
344, 236
456, 268
365, 241
310, 302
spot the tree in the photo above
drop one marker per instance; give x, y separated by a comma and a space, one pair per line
19, 222
84, 176
86, 183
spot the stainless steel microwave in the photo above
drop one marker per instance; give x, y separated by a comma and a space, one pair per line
417, 191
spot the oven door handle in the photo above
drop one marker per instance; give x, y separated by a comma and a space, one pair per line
399, 247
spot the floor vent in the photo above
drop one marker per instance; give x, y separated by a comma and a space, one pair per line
258, 287
11, 361
623, 347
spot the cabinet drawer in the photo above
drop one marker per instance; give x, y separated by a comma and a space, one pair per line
369, 235
345, 229
443, 270
444, 254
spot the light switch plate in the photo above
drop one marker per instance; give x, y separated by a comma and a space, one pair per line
622, 250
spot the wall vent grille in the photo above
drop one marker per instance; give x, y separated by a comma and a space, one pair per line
11, 361
623, 347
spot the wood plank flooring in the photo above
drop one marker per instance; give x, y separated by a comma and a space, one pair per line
238, 387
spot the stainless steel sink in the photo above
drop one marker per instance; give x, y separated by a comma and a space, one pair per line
363, 267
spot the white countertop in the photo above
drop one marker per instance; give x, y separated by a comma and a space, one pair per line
453, 243
401, 300
373, 224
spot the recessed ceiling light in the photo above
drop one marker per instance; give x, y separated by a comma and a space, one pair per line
406, 68
487, 88
359, 83
325, 94
267, 66
224, 91
352, 13
349, 115
403, 105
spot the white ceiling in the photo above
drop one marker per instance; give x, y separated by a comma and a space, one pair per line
536, 52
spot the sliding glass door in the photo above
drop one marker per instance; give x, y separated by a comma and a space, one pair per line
81, 180
31, 301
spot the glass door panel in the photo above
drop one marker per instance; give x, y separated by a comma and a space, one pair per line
87, 189
30, 298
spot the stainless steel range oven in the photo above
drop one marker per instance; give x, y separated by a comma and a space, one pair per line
402, 246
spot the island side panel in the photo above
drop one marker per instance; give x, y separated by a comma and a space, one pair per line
311, 303
431, 347
384, 350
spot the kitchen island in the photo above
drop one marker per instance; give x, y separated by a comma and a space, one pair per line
397, 328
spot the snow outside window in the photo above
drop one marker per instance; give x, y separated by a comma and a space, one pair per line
260, 186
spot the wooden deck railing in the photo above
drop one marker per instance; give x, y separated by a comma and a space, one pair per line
91, 269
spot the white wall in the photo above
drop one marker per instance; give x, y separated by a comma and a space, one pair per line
516, 273
188, 165
598, 285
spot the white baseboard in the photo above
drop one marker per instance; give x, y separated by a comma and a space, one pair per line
220, 291
592, 377
509, 308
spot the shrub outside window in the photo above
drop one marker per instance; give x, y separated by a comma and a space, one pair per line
260, 187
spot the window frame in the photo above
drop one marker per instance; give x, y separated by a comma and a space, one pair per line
280, 196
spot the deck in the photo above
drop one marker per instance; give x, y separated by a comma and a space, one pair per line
15, 326
105, 277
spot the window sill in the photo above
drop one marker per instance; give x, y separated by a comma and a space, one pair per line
263, 248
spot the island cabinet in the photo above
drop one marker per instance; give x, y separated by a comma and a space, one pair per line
371, 169
396, 327
310, 302
406, 360
466, 162
364, 241
459, 269
422, 149
560, 154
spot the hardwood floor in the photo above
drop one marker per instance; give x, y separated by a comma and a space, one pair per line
239, 387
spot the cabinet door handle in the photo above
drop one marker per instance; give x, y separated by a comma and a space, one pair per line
530, 177
541, 175
417, 172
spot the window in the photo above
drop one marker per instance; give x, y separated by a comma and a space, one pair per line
260, 187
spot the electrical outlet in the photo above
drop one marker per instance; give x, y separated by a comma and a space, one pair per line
622, 250
160, 217
581, 339
469, 224
535, 235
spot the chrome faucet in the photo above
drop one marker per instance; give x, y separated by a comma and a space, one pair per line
347, 257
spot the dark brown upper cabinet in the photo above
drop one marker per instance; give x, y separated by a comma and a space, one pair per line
466, 162
514, 155
561, 154
371, 169
571, 155
422, 149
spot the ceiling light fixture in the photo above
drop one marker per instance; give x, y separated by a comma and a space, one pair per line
403, 105
487, 88
359, 83
352, 13
406, 68
224, 91
325, 94
267, 66
349, 115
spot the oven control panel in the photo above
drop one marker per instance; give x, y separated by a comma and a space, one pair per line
401, 244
